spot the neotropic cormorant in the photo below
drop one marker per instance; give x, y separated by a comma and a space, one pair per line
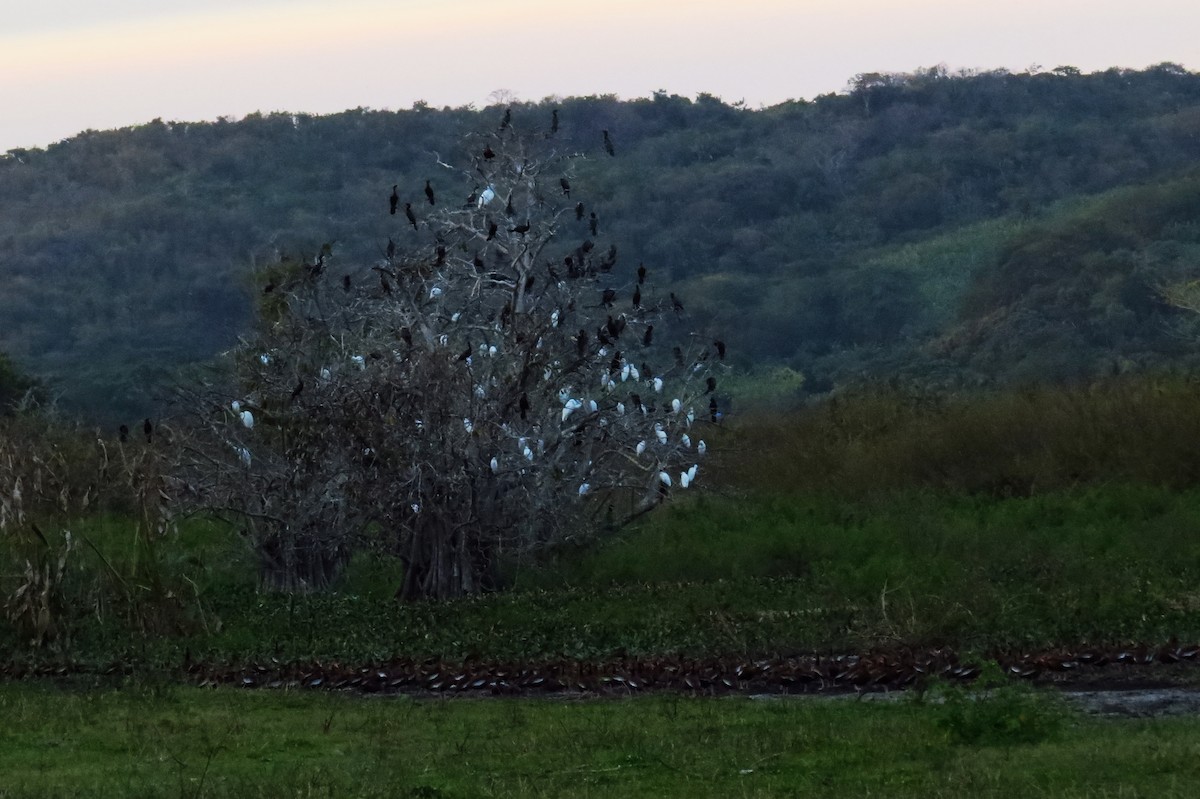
711, 383
593, 223
649, 337
720, 345
391, 248
522, 228
676, 304
607, 296
492, 228
148, 429
578, 211
641, 274
554, 121
345, 282
394, 200
566, 186
488, 153
608, 145
408, 211
429, 193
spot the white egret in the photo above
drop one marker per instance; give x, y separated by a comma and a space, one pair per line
641, 447
528, 453
684, 480
435, 292
660, 434
592, 406
247, 419
686, 440
468, 426
492, 351
584, 488
325, 373
691, 416
359, 361
486, 196
625, 372
564, 394
243, 456
691, 472
658, 384
665, 479
701, 448
495, 464
554, 319
620, 409
415, 508
676, 405
454, 316
237, 406
264, 359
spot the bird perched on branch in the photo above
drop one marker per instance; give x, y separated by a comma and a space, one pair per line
429, 193
566, 186
394, 200
412, 218
608, 144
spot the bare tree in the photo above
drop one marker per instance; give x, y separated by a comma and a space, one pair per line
496, 387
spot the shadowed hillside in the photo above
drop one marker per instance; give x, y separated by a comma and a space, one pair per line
944, 229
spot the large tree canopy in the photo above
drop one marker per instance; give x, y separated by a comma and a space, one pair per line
501, 379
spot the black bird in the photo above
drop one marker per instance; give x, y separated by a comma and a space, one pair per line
593, 223
641, 274
480, 266
429, 193
581, 342
578, 211
123, 433
408, 211
636, 399
566, 186
587, 246
678, 356
614, 330
637, 297
712, 409
676, 304
465, 353
602, 336
647, 372
406, 335
507, 118
608, 296
345, 282
298, 389
614, 365
720, 345
492, 228
529, 283
508, 208
649, 337
711, 383
524, 405
441, 255
488, 153
472, 197
608, 145
148, 429
394, 199
267, 289
522, 228
385, 285
391, 248
554, 121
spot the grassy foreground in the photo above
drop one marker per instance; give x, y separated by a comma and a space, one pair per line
175, 741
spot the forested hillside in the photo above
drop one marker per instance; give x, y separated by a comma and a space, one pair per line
948, 230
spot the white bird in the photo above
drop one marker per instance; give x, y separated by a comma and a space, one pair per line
625, 372
415, 508
237, 406
641, 447
592, 406
676, 405
325, 373
495, 464
486, 196
528, 453
620, 409
554, 319
264, 359
359, 360
691, 416
660, 434
479, 392
634, 374
492, 351
244, 456
583, 489
247, 419
564, 394
686, 440
570, 408
454, 316
547, 374
665, 479
435, 292
684, 480
691, 472
701, 448
468, 426
658, 384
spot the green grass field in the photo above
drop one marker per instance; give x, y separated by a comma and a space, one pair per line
167, 741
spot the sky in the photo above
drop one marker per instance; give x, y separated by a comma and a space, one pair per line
72, 65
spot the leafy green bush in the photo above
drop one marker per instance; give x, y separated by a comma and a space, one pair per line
995, 711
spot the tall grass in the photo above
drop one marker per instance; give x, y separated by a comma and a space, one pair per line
1017, 443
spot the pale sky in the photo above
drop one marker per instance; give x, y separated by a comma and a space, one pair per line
70, 65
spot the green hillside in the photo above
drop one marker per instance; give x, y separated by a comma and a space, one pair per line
947, 230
